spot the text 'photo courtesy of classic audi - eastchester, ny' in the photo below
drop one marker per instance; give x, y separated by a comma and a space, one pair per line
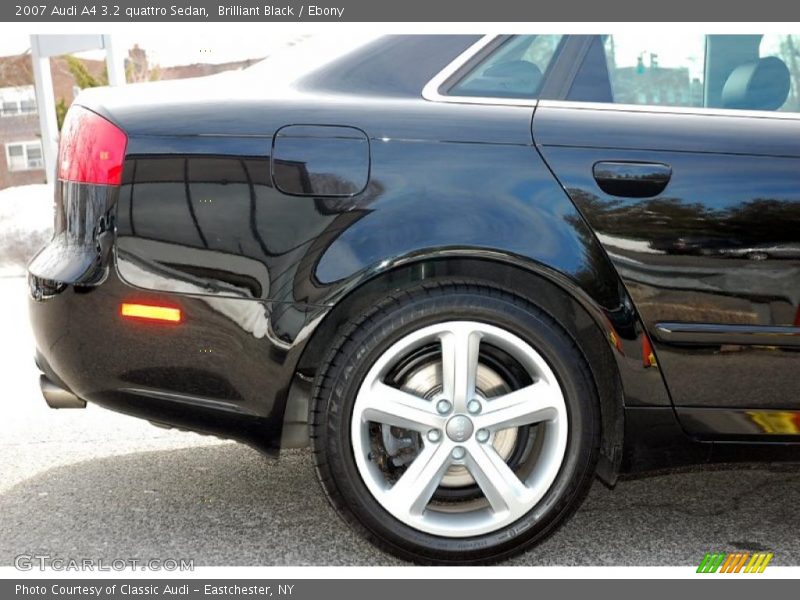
473, 273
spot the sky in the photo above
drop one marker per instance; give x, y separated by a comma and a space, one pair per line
185, 46
179, 48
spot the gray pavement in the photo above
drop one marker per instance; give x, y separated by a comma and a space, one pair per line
91, 483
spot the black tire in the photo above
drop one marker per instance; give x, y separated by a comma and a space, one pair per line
347, 364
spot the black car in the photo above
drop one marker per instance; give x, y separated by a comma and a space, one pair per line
448, 263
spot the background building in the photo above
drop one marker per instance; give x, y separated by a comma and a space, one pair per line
21, 160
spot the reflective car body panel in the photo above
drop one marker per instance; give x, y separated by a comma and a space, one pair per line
686, 253
271, 220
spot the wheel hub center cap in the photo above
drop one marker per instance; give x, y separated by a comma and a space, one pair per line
459, 428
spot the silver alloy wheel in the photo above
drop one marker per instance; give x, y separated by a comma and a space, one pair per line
425, 381
461, 438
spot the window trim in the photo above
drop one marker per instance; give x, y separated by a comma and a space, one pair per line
470, 58
24, 144
458, 67
700, 111
478, 51
463, 64
556, 83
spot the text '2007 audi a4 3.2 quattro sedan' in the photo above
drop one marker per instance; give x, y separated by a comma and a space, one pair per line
473, 273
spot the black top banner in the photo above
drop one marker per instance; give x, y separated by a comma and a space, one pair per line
400, 11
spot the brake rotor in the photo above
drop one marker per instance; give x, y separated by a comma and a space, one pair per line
425, 381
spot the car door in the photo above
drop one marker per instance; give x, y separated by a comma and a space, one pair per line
683, 154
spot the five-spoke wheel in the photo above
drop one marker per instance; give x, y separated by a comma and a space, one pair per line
455, 423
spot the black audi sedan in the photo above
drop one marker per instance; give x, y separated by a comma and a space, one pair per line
473, 273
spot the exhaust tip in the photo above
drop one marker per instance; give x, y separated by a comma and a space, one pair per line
58, 397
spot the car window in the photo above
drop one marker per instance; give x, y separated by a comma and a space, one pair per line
740, 72
515, 70
664, 71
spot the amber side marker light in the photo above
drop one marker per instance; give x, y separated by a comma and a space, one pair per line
150, 312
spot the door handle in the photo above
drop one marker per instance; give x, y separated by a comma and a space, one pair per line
631, 179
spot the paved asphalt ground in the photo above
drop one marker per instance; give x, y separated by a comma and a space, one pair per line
91, 483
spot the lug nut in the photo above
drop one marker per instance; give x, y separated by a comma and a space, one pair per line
434, 435
459, 453
474, 407
482, 435
443, 406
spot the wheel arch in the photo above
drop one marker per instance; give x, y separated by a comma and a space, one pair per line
549, 290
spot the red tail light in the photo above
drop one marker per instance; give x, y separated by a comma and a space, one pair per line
92, 149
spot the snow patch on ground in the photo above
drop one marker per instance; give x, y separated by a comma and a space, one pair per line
26, 224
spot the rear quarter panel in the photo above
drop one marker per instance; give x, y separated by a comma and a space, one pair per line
200, 223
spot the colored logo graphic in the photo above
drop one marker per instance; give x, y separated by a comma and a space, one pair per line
737, 562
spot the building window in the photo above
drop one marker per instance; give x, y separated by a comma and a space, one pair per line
24, 156
17, 101
10, 108
27, 107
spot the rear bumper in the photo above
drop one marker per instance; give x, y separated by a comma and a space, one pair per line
207, 374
